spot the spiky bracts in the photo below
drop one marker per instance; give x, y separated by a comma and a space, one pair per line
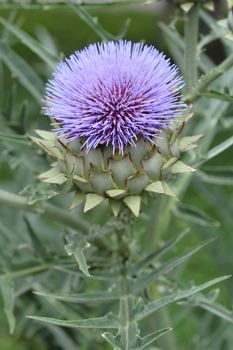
112, 94
117, 179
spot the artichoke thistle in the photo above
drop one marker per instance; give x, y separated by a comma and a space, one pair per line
113, 106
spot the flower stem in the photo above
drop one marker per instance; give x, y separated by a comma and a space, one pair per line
127, 324
191, 39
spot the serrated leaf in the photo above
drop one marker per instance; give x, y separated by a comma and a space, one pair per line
24, 73
91, 201
80, 298
214, 308
112, 339
7, 288
217, 175
220, 148
194, 215
156, 187
133, 203
148, 278
177, 296
64, 340
181, 167
157, 254
109, 321
142, 343
217, 95
30, 42
76, 248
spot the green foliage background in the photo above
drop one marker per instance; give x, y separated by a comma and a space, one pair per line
28, 240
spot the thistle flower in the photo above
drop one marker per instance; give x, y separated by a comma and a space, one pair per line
113, 94
112, 106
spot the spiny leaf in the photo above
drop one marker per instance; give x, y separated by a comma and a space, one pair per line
24, 272
20, 69
168, 299
148, 278
7, 288
76, 248
158, 253
112, 339
215, 151
64, 340
142, 343
108, 321
99, 297
217, 175
194, 215
217, 95
31, 43
217, 310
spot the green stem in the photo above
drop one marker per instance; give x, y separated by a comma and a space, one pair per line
46, 209
191, 40
127, 324
208, 78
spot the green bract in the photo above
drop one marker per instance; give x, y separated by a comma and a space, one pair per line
99, 175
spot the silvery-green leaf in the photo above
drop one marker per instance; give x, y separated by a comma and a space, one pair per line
7, 288
22, 71
148, 278
80, 298
76, 248
149, 259
177, 296
108, 321
194, 215
144, 342
31, 43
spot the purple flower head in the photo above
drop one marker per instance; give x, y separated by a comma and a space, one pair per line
114, 93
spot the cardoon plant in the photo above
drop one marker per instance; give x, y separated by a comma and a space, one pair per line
123, 134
